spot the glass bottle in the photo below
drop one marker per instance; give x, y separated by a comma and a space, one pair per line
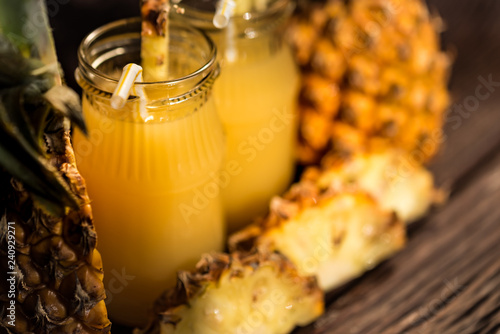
152, 168
256, 97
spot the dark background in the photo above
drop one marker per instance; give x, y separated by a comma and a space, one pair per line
72, 20
473, 28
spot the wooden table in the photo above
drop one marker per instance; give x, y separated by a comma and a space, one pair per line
447, 279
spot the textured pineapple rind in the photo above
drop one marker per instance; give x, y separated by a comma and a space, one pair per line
238, 293
373, 68
59, 271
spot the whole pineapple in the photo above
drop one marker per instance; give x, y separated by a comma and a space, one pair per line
371, 69
58, 271
50, 272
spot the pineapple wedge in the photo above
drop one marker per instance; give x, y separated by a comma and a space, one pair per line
390, 175
333, 236
240, 293
155, 39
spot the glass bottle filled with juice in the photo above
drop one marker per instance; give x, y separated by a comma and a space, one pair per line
151, 167
256, 98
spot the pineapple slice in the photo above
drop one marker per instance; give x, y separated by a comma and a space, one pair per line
240, 293
155, 39
333, 236
391, 176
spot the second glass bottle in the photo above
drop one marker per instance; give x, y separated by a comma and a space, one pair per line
256, 98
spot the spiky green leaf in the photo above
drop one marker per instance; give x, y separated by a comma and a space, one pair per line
34, 171
29, 99
67, 103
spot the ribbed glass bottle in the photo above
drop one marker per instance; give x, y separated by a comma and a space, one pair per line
151, 167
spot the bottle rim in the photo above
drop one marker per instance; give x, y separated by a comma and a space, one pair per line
86, 69
204, 19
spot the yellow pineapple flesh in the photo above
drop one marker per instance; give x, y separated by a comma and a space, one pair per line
397, 182
333, 236
239, 293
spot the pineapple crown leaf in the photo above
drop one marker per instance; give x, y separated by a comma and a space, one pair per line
67, 103
39, 86
35, 172
14, 68
15, 117
28, 105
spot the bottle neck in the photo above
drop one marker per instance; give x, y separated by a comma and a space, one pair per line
235, 47
161, 104
249, 37
193, 69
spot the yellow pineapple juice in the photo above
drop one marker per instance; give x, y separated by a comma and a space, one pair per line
256, 102
256, 98
152, 170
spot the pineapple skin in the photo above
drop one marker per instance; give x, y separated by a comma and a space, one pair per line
372, 68
238, 293
59, 286
334, 236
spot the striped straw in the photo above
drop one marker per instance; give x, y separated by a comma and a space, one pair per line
223, 13
131, 74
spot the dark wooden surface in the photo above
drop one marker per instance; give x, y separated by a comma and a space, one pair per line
447, 280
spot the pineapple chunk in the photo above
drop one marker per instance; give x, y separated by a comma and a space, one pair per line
335, 237
240, 293
388, 174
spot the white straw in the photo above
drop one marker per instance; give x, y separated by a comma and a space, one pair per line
139, 91
131, 74
223, 13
